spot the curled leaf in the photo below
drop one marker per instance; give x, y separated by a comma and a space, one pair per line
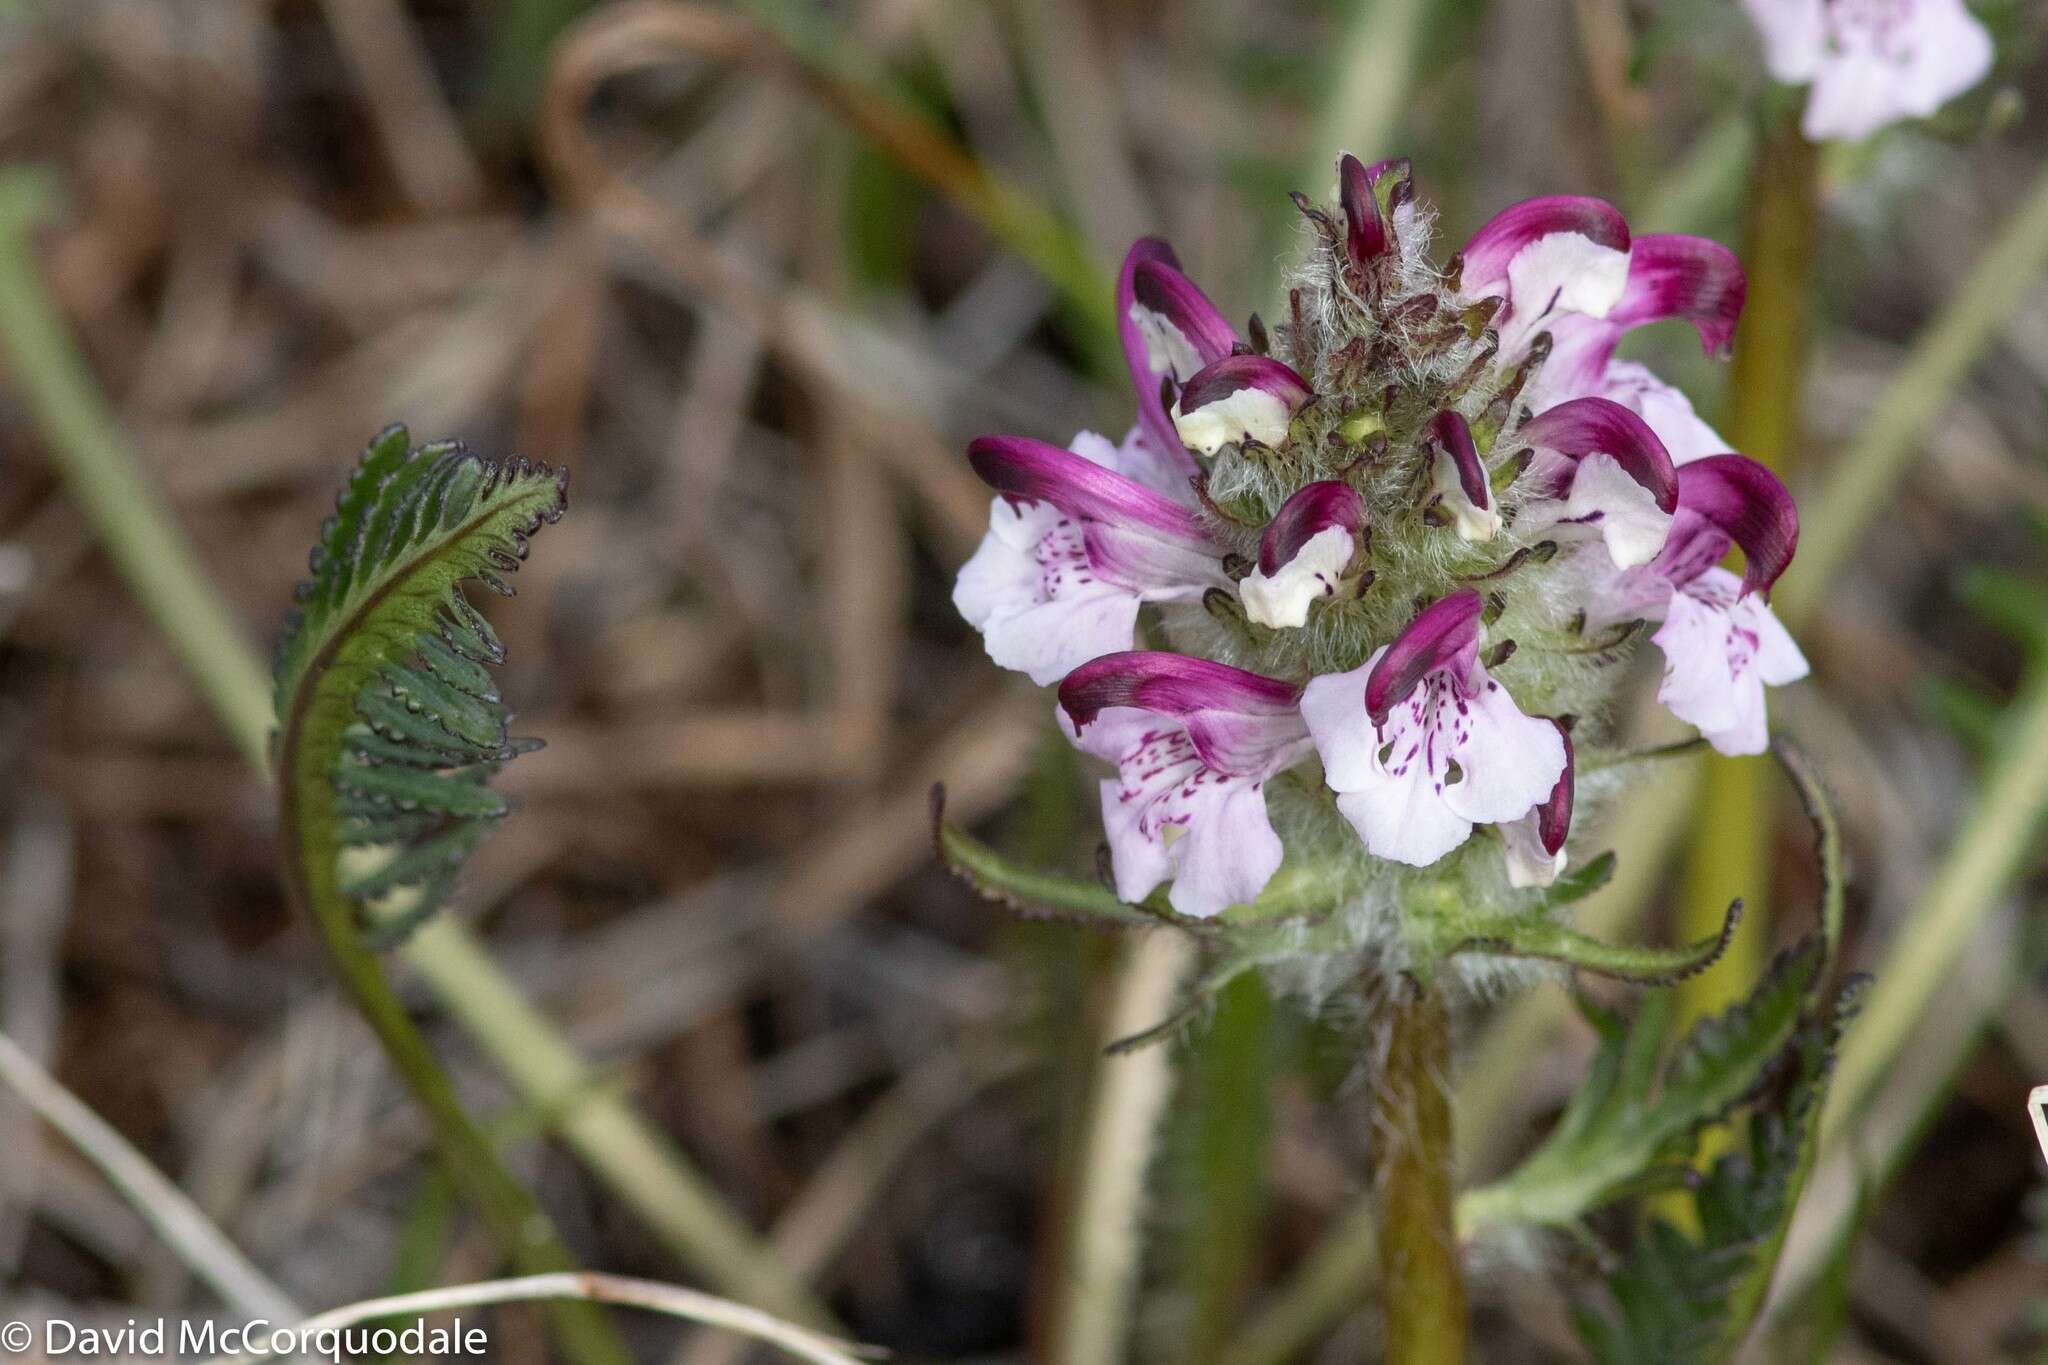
1032, 892
389, 725
1628, 1119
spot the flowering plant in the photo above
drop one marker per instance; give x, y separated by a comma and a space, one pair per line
1395, 550
1348, 612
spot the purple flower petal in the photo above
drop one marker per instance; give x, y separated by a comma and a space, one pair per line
1241, 723
1445, 634
1675, 276
1158, 287
1600, 426
1240, 396
1454, 435
1554, 816
1747, 503
1316, 507
1365, 231
1491, 248
1033, 471
1160, 312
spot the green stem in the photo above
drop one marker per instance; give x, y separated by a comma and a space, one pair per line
1422, 1292
1730, 852
89, 449
1996, 839
1862, 480
306, 817
1230, 1072
1326, 1285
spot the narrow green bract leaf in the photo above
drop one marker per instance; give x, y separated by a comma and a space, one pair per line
390, 726
1535, 935
1297, 894
1027, 891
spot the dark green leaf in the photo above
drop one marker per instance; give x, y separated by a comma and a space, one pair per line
390, 725
1684, 1299
1622, 1123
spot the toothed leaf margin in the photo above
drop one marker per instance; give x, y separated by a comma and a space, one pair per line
389, 724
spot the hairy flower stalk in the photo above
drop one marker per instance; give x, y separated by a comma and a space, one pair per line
1348, 609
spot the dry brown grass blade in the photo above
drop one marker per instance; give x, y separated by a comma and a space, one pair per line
36, 885
554, 382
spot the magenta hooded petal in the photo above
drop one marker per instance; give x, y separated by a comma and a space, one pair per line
1034, 471
1305, 554
1169, 330
1366, 235
1454, 436
1491, 249
1600, 426
1445, 635
1554, 816
1242, 724
1675, 276
1314, 509
1745, 502
1237, 398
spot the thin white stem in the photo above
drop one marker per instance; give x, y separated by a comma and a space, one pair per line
175, 1218
594, 1288
1100, 1268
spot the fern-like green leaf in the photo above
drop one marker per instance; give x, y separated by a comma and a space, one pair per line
1627, 1129
1680, 1299
389, 725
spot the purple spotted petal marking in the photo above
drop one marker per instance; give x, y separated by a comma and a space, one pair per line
1445, 635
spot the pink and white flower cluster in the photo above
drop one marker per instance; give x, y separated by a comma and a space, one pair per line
1429, 529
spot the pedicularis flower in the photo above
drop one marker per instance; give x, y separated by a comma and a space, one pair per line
1391, 553
1871, 63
